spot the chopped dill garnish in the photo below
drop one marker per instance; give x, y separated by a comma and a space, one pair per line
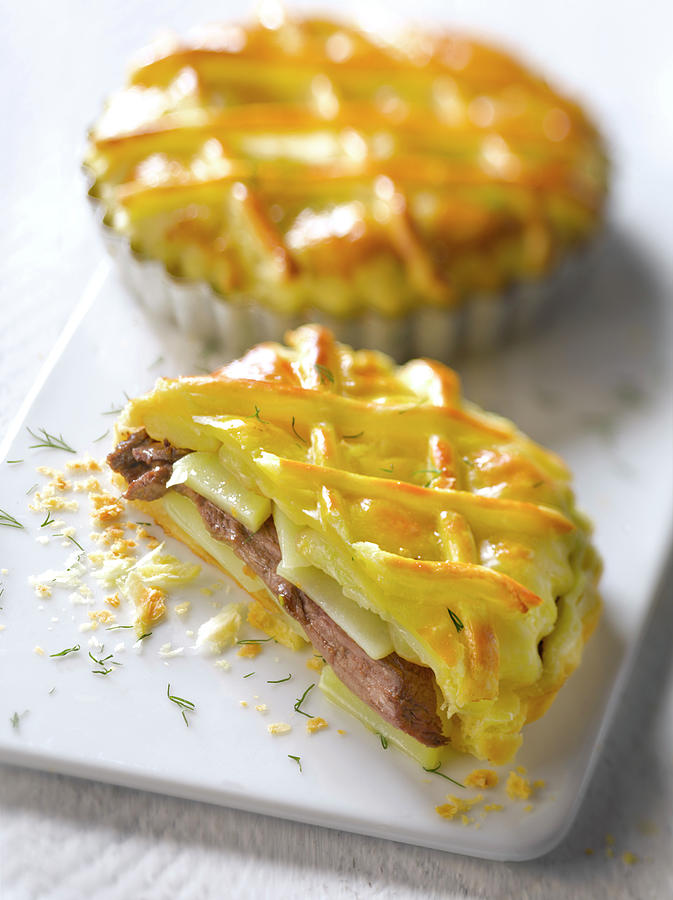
352, 437
9, 520
425, 471
70, 538
298, 702
468, 462
44, 439
118, 627
12, 462
104, 434
249, 674
256, 415
145, 523
47, 520
181, 703
383, 739
389, 470
146, 635
113, 411
51, 690
456, 621
156, 362
537, 484
31, 489
303, 440
297, 759
15, 719
68, 650
257, 641
436, 771
104, 670
279, 680
325, 374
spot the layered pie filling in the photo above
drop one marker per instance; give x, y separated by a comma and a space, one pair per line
254, 541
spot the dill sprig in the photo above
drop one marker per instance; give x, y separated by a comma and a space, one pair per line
9, 520
47, 519
279, 680
456, 621
146, 635
298, 702
389, 469
325, 374
256, 415
13, 462
68, 650
383, 739
103, 435
16, 717
249, 674
118, 627
113, 411
184, 705
70, 538
436, 771
31, 489
434, 472
104, 670
44, 439
303, 440
352, 437
297, 759
256, 641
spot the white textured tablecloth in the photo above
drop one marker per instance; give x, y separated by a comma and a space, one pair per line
65, 838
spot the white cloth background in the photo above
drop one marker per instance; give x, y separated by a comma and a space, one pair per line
66, 838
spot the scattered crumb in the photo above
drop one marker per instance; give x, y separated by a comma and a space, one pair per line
151, 605
278, 728
243, 702
221, 630
91, 484
482, 778
456, 806
86, 464
589, 851
120, 647
647, 826
114, 600
521, 770
39, 650
183, 608
78, 599
104, 616
42, 539
250, 650
44, 501
518, 788
316, 663
261, 708
630, 858
609, 839
528, 807
189, 633
88, 626
106, 508
207, 592
493, 807
2, 627
4, 571
317, 723
41, 590
341, 733
167, 650
223, 664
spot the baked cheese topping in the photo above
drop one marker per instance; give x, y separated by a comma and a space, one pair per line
430, 527
308, 163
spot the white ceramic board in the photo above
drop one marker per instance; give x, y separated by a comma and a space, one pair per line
594, 386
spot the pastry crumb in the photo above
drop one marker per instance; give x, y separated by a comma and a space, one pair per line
223, 664
183, 608
316, 662
278, 728
482, 778
630, 858
39, 650
317, 723
261, 708
457, 806
518, 788
106, 507
250, 651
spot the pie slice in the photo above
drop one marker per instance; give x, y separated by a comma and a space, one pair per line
429, 551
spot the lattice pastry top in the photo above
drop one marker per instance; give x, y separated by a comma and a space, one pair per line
444, 520
307, 163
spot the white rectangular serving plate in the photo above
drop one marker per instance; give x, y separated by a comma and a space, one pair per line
594, 386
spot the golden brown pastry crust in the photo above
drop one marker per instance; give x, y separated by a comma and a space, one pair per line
304, 164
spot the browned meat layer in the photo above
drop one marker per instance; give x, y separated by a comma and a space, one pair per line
402, 692
145, 464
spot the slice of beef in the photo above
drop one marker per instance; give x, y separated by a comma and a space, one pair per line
145, 464
402, 692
